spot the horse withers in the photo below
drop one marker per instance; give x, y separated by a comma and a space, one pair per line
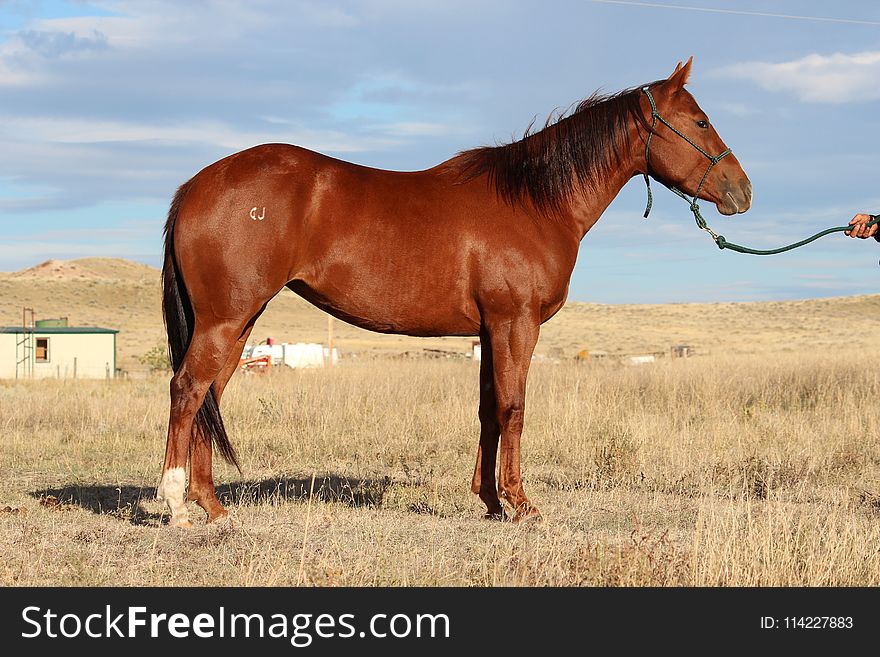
483, 244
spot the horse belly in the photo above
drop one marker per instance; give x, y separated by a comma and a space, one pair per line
391, 306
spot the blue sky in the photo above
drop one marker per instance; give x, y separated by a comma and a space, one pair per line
107, 106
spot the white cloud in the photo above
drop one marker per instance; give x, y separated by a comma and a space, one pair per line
738, 109
415, 129
216, 133
837, 78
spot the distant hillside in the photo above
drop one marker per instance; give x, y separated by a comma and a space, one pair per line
125, 295
96, 269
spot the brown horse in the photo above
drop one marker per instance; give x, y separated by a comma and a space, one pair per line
482, 244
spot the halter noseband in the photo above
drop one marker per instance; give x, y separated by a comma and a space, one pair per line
713, 160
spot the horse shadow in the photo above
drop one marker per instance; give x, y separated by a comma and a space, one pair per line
125, 502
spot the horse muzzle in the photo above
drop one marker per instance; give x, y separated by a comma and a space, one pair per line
736, 197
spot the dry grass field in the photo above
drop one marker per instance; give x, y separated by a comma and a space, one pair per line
755, 463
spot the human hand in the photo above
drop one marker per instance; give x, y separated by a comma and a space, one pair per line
859, 228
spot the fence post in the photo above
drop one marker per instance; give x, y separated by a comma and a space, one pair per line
330, 339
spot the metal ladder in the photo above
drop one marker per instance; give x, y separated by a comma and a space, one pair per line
24, 346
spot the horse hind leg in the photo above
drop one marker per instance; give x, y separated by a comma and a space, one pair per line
209, 350
201, 480
483, 483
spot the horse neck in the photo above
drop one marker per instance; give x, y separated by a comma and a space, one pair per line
585, 209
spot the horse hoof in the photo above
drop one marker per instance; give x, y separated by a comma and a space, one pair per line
494, 515
529, 514
220, 518
180, 522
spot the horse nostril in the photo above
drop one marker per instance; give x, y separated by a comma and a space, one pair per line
733, 200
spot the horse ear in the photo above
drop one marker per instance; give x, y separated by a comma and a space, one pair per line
680, 75
686, 71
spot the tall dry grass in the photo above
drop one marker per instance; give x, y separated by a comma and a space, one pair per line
708, 471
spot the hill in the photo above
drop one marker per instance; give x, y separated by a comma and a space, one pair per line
125, 295
93, 269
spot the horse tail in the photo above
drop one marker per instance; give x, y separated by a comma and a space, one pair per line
179, 322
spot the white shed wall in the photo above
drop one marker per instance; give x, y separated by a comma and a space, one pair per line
93, 354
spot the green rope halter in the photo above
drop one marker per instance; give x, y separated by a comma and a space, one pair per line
713, 160
695, 207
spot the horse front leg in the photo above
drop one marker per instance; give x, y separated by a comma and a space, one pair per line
513, 342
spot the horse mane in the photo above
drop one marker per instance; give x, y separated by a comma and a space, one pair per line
570, 154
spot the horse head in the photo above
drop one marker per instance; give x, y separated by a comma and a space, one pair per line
684, 151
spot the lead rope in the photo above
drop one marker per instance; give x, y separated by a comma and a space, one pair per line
702, 224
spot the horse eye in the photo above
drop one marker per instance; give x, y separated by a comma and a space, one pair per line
702, 124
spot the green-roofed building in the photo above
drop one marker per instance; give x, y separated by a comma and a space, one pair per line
52, 349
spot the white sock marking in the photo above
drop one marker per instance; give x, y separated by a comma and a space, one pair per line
172, 489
